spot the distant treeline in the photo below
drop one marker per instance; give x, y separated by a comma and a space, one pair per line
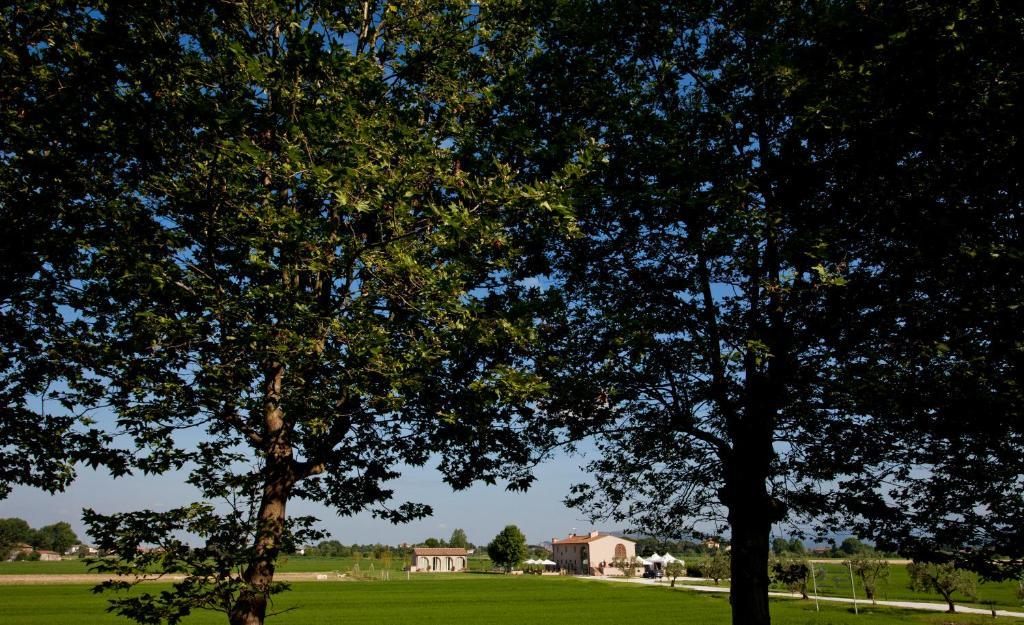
648, 546
845, 549
780, 546
335, 549
57, 537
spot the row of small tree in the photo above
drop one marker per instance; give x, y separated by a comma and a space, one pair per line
796, 574
873, 569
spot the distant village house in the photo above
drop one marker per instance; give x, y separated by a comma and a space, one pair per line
20, 549
591, 554
439, 559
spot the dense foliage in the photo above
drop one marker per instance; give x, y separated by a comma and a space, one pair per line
57, 537
334, 239
13, 531
508, 548
789, 294
266, 243
458, 538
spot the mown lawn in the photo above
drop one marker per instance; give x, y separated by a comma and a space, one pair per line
309, 564
59, 567
290, 564
475, 599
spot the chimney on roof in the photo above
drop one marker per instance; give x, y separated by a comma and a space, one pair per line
594, 534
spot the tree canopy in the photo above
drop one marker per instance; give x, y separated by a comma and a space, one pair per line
788, 294
279, 225
458, 538
12, 532
508, 548
314, 232
57, 537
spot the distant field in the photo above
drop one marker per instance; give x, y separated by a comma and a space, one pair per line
60, 567
290, 564
471, 599
302, 564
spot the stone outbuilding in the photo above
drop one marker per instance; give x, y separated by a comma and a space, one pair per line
591, 554
439, 559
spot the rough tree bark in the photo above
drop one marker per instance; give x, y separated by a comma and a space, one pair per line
251, 606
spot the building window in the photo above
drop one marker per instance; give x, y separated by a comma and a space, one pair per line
620, 551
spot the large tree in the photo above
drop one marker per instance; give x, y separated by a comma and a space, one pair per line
12, 532
58, 537
790, 291
298, 247
458, 538
508, 548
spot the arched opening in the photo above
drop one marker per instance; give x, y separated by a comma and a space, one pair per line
450, 565
620, 551
437, 564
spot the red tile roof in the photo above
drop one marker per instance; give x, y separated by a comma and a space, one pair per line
439, 551
577, 540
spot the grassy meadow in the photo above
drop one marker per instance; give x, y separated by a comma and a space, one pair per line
290, 564
476, 599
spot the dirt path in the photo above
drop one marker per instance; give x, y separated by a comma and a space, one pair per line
92, 578
909, 605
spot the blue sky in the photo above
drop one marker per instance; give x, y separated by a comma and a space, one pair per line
482, 510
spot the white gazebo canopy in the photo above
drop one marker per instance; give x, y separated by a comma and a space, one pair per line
531, 561
546, 562
668, 558
656, 559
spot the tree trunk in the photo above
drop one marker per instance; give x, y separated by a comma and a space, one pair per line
949, 602
751, 514
751, 531
251, 606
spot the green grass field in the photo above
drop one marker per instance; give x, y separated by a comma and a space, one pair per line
294, 564
469, 599
291, 564
60, 567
